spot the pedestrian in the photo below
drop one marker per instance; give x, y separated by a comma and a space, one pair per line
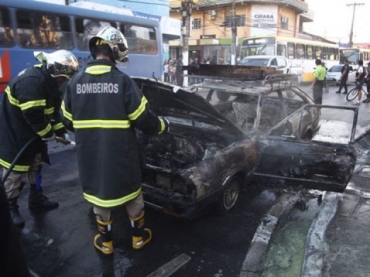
172, 71
104, 106
318, 82
360, 77
344, 77
325, 85
30, 111
179, 71
367, 80
165, 72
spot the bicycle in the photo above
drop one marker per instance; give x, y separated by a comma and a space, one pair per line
352, 94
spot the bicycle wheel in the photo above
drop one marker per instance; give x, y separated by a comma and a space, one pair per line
352, 94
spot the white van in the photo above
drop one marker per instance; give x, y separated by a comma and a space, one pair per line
278, 62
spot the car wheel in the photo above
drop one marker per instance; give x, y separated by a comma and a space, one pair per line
230, 195
222, 96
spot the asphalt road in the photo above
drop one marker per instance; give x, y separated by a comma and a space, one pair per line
59, 242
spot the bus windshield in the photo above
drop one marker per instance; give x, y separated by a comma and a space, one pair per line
352, 55
261, 49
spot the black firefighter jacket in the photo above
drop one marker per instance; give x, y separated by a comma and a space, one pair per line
30, 108
104, 106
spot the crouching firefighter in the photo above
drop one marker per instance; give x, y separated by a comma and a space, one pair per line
29, 112
103, 106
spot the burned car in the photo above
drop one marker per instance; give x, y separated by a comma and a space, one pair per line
265, 130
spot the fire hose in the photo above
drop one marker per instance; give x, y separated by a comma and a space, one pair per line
57, 139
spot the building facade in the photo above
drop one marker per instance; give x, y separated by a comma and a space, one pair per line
208, 28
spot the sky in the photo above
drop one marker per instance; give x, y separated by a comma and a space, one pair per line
333, 19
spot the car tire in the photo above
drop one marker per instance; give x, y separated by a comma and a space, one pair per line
222, 96
230, 195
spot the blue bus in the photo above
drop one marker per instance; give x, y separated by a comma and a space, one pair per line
28, 26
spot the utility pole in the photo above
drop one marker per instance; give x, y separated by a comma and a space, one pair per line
186, 11
353, 19
233, 34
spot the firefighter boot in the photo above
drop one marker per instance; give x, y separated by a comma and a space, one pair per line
37, 200
14, 212
103, 241
140, 236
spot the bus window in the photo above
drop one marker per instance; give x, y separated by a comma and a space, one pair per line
87, 28
333, 54
140, 39
300, 51
291, 50
309, 52
325, 53
281, 50
43, 30
6, 30
318, 52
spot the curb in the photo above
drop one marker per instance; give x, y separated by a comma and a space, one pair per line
315, 241
277, 215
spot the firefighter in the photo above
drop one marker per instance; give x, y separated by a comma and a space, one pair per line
104, 106
30, 111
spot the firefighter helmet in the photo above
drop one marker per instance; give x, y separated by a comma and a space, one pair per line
116, 41
60, 63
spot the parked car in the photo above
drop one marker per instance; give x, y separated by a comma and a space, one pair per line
275, 61
265, 130
334, 73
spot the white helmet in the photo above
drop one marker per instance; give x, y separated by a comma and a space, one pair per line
61, 63
116, 41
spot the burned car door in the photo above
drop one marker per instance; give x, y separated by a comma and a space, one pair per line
325, 162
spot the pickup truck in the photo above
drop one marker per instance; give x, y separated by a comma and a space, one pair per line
278, 62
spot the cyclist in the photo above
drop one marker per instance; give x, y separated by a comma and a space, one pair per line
360, 76
367, 81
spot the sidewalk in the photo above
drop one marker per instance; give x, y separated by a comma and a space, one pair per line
325, 234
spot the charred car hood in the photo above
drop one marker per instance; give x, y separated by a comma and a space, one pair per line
185, 108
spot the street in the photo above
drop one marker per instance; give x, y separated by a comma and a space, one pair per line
60, 242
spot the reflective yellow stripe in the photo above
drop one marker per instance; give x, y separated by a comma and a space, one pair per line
65, 113
139, 110
38, 65
49, 110
12, 100
113, 202
163, 125
32, 104
45, 131
21, 168
58, 126
98, 69
24, 106
119, 124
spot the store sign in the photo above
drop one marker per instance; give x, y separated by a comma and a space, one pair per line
207, 36
264, 20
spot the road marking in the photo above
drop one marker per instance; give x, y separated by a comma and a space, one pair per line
171, 267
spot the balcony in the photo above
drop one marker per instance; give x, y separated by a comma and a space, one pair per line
299, 6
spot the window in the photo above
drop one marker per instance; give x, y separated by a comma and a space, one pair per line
291, 50
284, 23
87, 28
309, 52
239, 20
6, 30
300, 51
140, 39
281, 50
197, 23
42, 30
318, 52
